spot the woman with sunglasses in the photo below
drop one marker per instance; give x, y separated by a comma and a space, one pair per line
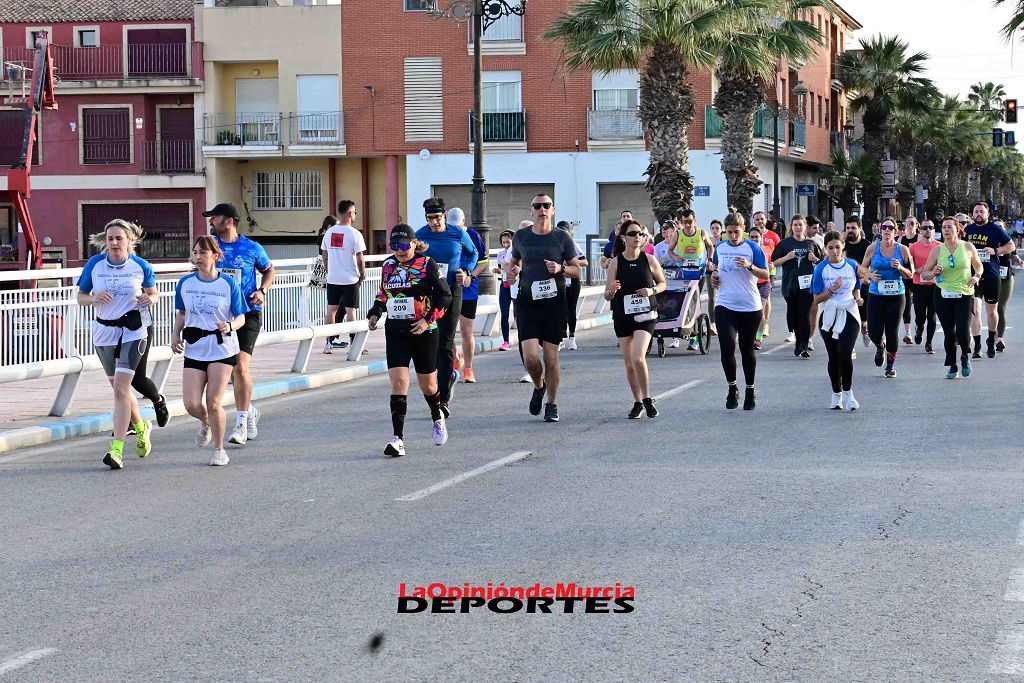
886, 265
414, 295
739, 263
634, 279
956, 269
924, 287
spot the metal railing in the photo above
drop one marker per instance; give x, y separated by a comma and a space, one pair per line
501, 126
614, 124
507, 28
252, 128
798, 132
763, 118
170, 157
109, 62
712, 123
317, 128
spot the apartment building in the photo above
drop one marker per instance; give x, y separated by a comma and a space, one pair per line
123, 141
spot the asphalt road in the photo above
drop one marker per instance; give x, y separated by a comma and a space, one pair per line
788, 543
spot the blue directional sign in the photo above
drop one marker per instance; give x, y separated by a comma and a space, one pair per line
806, 190
702, 191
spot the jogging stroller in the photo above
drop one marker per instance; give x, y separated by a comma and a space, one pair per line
680, 313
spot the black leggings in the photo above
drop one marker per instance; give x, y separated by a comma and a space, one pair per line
908, 300
505, 304
140, 382
884, 319
446, 344
924, 310
840, 355
732, 325
798, 316
572, 296
1005, 292
955, 317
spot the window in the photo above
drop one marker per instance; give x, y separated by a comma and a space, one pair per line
616, 90
828, 121
87, 37
318, 117
819, 111
811, 95
285, 190
502, 91
167, 226
106, 136
32, 33
416, 5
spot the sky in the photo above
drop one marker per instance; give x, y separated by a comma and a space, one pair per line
961, 37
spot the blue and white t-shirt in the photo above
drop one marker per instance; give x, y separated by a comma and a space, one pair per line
125, 281
205, 303
737, 286
825, 275
242, 258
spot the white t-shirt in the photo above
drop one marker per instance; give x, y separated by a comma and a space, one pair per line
125, 281
342, 243
504, 257
737, 287
205, 304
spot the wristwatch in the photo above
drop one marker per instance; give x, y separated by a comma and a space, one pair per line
261, 289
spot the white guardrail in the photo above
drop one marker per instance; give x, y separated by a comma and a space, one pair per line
45, 333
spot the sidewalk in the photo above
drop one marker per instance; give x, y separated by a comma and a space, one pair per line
24, 406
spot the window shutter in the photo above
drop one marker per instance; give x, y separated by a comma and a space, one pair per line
424, 112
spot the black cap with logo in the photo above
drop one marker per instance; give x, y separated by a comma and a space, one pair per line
226, 210
402, 233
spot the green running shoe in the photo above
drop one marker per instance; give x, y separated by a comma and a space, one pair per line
113, 458
143, 445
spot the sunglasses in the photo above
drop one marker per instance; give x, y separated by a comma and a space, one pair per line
635, 233
435, 216
400, 246
888, 227
537, 206
962, 222
952, 263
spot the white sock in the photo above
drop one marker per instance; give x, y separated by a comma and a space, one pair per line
243, 415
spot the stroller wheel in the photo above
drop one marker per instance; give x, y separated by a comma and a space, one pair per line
661, 347
704, 333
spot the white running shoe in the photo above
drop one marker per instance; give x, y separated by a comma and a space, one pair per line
203, 436
849, 401
853, 355
561, 345
251, 432
810, 344
791, 338
692, 346
440, 432
525, 378
674, 343
239, 434
220, 458
395, 448
328, 348
571, 344
837, 402
867, 339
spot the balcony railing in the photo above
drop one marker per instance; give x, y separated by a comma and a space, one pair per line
255, 128
798, 132
110, 62
502, 126
317, 128
508, 28
762, 124
614, 124
170, 157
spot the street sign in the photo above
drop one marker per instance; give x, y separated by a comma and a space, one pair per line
888, 178
702, 191
808, 190
888, 192
888, 166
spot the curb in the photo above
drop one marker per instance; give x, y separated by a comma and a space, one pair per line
104, 422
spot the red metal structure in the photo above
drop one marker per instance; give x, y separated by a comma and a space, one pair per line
39, 97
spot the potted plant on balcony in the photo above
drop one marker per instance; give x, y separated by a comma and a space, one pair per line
227, 137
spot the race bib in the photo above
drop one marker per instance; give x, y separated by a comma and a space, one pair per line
949, 294
443, 267
514, 290
670, 274
544, 289
925, 279
635, 303
805, 281
235, 273
889, 287
568, 282
691, 263
1004, 272
984, 256
402, 308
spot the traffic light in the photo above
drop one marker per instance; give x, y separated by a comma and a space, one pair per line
1011, 111
1009, 138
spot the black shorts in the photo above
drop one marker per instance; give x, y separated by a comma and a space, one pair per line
343, 295
203, 365
546, 321
248, 333
988, 289
626, 325
468, 309
418, 349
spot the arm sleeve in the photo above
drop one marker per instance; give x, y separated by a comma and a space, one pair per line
818, 282
360, 243
323, 242
380, 301
759, 260
481, 254
1002, 238
263, 263
470, 254
148, 276
568, 248
714, 255
440, 293
238, 305
85, 279
179, 302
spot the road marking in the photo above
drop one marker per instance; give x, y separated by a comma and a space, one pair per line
25, 659
678, 390
459, 478
1008, 657
1015, 586
771, 351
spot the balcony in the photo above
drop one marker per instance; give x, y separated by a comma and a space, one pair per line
502, 130
316, 133
110, 62
504, 37
170, 157
797, 137
242, 135
614, 129
763, 137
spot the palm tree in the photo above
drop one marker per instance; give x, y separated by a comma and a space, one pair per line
988, 97
748, 63
884, 80
663, 39
846, 176
1016, 21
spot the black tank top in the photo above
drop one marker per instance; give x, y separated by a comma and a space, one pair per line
632, 275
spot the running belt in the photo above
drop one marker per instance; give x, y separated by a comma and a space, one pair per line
194, 334
131, 320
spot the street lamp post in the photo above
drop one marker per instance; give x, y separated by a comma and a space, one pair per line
482, 14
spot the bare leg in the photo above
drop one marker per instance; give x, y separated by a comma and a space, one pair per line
216, 383
638, 359
532, 360
552, 373
193, 382
468, 344
242, 382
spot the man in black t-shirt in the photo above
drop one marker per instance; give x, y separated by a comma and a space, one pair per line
991, 241
856, 247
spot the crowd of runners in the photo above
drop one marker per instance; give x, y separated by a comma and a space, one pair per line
840, 282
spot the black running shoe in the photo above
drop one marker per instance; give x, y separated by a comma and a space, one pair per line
634, 413
550, 412
1000, 346
879, 356
446, 410
750, 399
162, 414
918, 335
976, 354
805, 354
929, 350
537, 400
991, 344
890, 369
652, 410
732, 400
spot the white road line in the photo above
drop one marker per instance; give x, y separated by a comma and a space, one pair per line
771, 351
25, 659
459, 478
1015, 586
1008, 657
678, 390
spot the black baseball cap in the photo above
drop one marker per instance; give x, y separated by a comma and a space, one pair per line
401, 233
226, 210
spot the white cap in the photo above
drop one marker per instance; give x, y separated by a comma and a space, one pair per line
457, 216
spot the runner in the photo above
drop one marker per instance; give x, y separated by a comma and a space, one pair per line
691, 250
414, 295
909, 236
764, 285
242, 259
886, 265
956, 269
715, 229
118, 284
798, 256
664, 252
470, 295
507, 280
634, 280
573, 287
836, 290
815, 232
769, 240
856, 247
991, 241
342, 248
924, 288
738, 265
209, 308
1007, 262
546, 257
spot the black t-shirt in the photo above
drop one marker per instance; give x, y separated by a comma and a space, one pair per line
987, 235
532, 249
418, 287
799, 266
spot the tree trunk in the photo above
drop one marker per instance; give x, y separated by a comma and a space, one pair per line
667, 110
737, 101
874, 148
